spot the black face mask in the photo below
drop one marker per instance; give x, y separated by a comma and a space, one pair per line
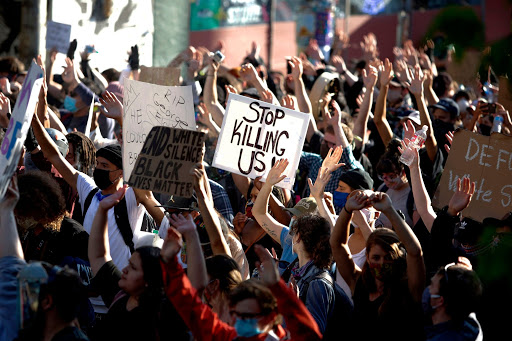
440, 129
102, 178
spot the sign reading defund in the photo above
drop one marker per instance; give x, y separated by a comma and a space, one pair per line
148, 105
165, 161
488, 162
256, 134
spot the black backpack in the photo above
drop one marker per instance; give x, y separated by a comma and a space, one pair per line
340, 321
122, 221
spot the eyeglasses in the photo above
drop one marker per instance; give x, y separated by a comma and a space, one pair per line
245, 316
385, 177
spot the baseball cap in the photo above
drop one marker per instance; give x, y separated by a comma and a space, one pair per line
59, 139
305, 205
181, 203
448, 105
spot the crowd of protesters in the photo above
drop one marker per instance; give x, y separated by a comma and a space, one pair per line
354, 251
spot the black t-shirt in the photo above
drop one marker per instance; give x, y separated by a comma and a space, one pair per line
70, 334
140, 323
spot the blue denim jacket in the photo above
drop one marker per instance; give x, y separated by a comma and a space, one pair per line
320, 297
9, 268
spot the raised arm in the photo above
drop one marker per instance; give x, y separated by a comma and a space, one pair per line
303, 102
415, 266
210, 218
146, 198
361, 124
99, 247
379, 117
10, 245
260, 212
420, 194
49, 148
416, 88
317, 192
339, 239
210, 97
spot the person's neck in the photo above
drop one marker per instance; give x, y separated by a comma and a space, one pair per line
304, 258
81, 112
440, 316
53, 325
132, 303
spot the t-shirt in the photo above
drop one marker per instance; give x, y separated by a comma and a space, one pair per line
287, 257
139, 323
119, 251
399, 200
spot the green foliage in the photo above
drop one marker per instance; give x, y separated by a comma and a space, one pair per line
461, 27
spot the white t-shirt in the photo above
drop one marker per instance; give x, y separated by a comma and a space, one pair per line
119, 251
359, 259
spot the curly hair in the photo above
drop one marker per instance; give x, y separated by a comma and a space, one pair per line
41, 199
85, 153
315, 231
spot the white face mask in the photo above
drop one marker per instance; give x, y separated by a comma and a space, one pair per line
292, 221
293, 246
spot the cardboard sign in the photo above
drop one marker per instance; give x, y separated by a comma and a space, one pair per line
169, 76
148, 105
488, 162
505, 94
21, 118
256, 134
58, 36
165, 161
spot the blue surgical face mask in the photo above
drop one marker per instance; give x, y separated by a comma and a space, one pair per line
247, 327
340, 198
428, 309
70, 104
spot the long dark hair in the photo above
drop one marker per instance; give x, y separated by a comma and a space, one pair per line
154, 291
314, 232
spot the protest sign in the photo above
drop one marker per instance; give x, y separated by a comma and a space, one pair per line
57, 36
255, 134
20, 121
165, 161
488, 162
169, 76
148, 105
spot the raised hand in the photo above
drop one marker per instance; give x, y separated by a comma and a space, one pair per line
184, 225
204, 116
449, 138
409, 129
357, 200
313, 50
333, 157
402, 71
5, 110
133, 58
71, 49
380, 201
288, 101
248, 73
317, 190
239, 222
333, 118
387, 74
416, 156
198, 177
172, 245
275, 174
267, 266
113, 199
69, 73
416, 87
339, 63
267, 96
113, 106
370, 77
297, 68
462, 196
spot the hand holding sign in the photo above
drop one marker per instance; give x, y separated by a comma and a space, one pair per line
462, 196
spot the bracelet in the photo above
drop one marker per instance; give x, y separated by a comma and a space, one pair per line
346, 210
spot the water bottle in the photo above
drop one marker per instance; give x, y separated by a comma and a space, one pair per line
416, 142
496, 124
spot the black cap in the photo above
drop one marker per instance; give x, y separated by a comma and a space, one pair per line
182, 203
448, 105
357, 179
113, 154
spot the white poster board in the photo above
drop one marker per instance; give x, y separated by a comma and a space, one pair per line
21, 118
256, 134
58, 35
148, 105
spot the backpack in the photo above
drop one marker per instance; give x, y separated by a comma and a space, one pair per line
122, 221
340, 321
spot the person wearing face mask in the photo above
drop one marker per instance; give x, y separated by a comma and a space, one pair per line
395, 184
446, 113
253, 305
387, 290
450, 301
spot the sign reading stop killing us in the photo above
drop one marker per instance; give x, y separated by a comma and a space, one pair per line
255, 134
165, 161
